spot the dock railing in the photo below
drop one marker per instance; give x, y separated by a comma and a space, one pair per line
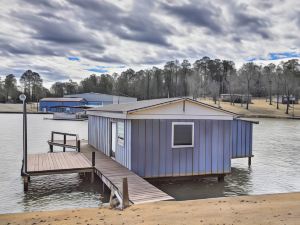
64, 143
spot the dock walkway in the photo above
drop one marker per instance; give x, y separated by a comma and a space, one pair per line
111, 173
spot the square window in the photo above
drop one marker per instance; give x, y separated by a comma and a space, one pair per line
182, 134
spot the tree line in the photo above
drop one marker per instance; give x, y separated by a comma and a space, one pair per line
204, 78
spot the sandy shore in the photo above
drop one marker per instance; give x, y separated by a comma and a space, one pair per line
258, 108
260, 209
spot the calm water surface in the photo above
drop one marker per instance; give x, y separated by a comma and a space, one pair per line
275, 167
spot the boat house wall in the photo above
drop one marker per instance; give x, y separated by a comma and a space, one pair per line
153, 155
99, 129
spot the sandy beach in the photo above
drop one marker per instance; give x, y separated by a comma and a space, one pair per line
260, 209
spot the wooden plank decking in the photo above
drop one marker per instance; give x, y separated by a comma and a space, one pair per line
111, 173
57, 162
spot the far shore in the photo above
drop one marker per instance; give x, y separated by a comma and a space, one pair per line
257, 209
259, 108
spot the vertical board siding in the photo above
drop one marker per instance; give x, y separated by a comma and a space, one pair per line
241, 139
153, 156
147, 146
99, 138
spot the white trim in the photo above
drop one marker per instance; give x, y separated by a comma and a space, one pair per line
179, 116
159, 116
107, 114
193, 133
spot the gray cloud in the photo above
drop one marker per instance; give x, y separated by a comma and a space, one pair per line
246, 23
204, 15
40, 35
136, 25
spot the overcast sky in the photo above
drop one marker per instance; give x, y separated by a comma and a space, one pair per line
64, 40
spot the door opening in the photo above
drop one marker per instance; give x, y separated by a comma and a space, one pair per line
113, 139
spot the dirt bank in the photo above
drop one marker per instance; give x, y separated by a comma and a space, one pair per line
261, 209
258, 108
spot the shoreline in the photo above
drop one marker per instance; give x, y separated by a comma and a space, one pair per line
253, 209
239, 115
14, 112
269, 117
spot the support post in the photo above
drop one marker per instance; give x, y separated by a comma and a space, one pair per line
92, 176
25, 134
52, 137
93, 159
25, 180
78, 145
125, 194
93, 164
249, 161
65, 141
221, 178
112, 193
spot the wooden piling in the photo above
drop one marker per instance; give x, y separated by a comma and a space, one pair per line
249, 161
93, 158
125, 194
65, 141
78, 145
221, 178
26, 181
93, 164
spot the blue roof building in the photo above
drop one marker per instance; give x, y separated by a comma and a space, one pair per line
71, 105
98, 99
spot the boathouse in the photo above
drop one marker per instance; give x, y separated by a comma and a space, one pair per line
99, 99
170, 137
61, 104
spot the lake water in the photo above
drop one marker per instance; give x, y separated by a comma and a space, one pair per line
275, 167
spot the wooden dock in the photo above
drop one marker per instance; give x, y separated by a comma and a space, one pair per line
125, 185
57, 162
111, 173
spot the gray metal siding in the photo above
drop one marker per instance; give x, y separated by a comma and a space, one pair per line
241, 138
153, 156
99, 137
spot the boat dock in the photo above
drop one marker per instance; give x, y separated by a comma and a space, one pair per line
125, 185
111, 173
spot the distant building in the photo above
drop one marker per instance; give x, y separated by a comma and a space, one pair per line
98, 99
236, 98
283, 99
78, 102
71, 105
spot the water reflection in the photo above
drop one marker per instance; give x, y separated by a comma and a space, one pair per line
237, 183
56, 190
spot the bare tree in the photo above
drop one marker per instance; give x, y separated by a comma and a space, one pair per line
269, 72
247, 72
290, 79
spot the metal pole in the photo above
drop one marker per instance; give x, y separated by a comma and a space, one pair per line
25, 135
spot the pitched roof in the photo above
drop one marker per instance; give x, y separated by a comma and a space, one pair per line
139, 105
95, 97
62, 100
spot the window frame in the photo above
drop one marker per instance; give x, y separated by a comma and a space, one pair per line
120, 140
193, 134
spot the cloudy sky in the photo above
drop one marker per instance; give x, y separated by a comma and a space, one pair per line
72, 39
